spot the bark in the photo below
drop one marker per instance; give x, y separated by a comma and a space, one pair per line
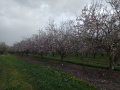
77, 54
41, 55
61, 58
112, 62
53, 54
94, 55
81, 57
27, 53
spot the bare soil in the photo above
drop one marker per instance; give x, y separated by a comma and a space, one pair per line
100, 78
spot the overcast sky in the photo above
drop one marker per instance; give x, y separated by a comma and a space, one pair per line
22, 18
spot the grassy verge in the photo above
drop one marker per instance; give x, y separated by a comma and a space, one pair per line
16, 74
99, 62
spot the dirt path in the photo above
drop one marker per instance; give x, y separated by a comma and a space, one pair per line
99, 77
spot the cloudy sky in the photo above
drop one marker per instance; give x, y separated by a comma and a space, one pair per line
22, 18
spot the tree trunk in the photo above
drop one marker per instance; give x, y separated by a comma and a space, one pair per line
111, 67
94, 55
86, 54
112, 62
77, 54
61, 58
27, 53
102, 55
41, 55
53, 54
81, 57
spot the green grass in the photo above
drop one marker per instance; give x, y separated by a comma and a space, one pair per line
16, 74
99, 61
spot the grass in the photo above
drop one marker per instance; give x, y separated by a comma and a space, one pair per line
16, 74
99, 61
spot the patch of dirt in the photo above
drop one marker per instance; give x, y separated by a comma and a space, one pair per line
101, 78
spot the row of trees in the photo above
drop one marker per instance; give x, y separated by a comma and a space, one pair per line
96, 30
3, 47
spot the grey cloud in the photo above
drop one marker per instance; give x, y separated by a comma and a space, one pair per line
22, 18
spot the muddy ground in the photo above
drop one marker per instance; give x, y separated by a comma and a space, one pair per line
101, 78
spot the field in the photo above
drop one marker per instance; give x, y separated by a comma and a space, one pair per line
16, 74
99, 61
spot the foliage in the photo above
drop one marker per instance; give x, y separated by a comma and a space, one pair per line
95, 31
3, 47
